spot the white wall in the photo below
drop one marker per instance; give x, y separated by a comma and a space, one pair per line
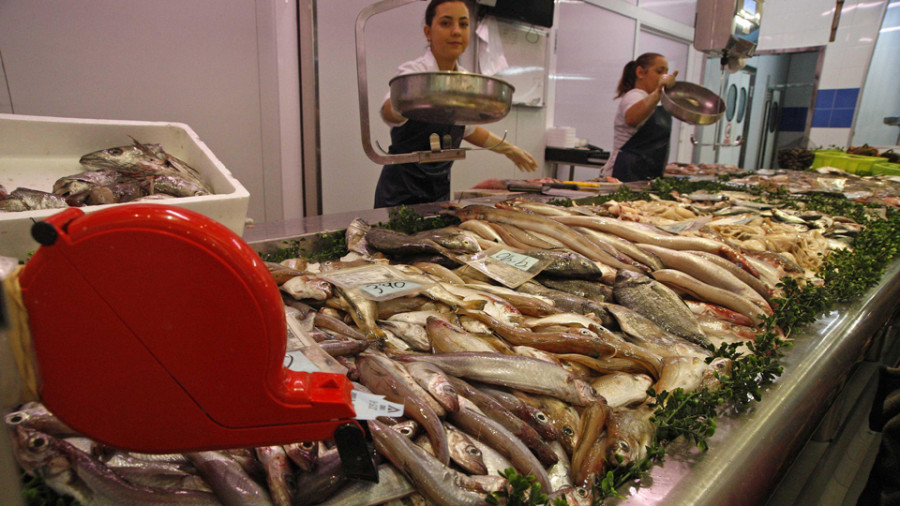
212, 64
881, 96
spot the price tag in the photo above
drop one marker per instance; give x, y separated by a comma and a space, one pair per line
371, 406
511, 268
517, 260
375, 282
297, 361
388, 288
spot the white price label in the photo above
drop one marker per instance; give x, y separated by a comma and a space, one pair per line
297, 361
388, 288
371, 406
517, 260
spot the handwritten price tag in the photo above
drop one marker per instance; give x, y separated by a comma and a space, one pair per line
389, 288
517, 260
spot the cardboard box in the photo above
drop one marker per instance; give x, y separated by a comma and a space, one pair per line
35, 151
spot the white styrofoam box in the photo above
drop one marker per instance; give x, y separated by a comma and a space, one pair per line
35, 151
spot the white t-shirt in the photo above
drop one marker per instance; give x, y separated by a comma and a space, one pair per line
424, 63
622, 131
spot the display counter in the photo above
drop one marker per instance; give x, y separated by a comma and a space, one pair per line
750, 452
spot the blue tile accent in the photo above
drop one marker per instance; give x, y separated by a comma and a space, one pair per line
793, 119
821, 118
841, 118
825, 99
835, 108
846, 98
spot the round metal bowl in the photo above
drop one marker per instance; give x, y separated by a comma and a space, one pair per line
692, 103
458, 98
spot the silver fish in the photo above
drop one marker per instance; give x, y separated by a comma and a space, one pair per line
385, 377
445, 337
622, 389
26, 199
523, 373
492, 433
231, 484
279, 476
175, 186
391, 485
435, 382
307, 287
659, 303
437, 482
531, 414
412, 334
79, 183
36, 416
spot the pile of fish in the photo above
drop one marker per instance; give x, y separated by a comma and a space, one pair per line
549, 378
114, 175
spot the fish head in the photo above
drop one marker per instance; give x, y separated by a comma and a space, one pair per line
407, 428
575, 496
627, 276
38, 454
117, 158
544, 425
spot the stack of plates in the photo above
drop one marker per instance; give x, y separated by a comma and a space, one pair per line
562, 137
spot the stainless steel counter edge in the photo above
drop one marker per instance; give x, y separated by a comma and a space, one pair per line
750, 453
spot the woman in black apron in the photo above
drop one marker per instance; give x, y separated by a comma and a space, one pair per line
447, 31
642, 127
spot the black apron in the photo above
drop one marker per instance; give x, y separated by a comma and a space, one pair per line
416, 183
645, 154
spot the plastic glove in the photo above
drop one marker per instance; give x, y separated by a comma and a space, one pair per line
523, 159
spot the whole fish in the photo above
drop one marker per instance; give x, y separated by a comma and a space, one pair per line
497, 412
523, 373
592, 290
629, 432
391, 485
593, 423
435, 382
141, 160
175, 186
437, 482
538, 420
492, 433
54, 459
622, 389
706, 292
85, 181
566, 301
391, 242
567, 264
385, 377
307, 287
645, 333
659, 303
412, 334
304, 454
447, 338
402, 305
681, 372
230, 483
363, 311
26, 199
36, 416
279, 476
563, 415
453, 238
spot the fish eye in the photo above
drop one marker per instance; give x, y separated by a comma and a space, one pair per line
471, 450
449, 389
307, 445
624, 446
16, 418
114, 151
581, 492
38, 442
405, 431
541, 417
568, 431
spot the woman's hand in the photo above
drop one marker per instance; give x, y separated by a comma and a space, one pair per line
667, 80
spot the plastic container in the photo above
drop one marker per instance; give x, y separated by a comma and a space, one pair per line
35, 151
851, 163
886, 168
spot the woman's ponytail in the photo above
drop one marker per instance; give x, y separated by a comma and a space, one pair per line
629, 73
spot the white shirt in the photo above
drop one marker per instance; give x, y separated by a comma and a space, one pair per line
424, 63
622, 131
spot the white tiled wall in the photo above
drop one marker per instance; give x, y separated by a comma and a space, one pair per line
791, 24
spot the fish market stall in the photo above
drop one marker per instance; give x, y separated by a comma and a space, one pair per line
556, 360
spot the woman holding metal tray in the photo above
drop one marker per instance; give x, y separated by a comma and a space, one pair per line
642, 127
447, 32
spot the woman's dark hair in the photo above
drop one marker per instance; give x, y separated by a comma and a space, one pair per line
629, 76
432, 7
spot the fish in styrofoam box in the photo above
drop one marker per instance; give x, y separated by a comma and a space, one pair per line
36, 151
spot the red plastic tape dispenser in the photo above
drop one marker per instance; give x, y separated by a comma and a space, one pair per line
157, 329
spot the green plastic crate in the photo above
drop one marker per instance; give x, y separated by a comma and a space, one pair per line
886, 168
851, 163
